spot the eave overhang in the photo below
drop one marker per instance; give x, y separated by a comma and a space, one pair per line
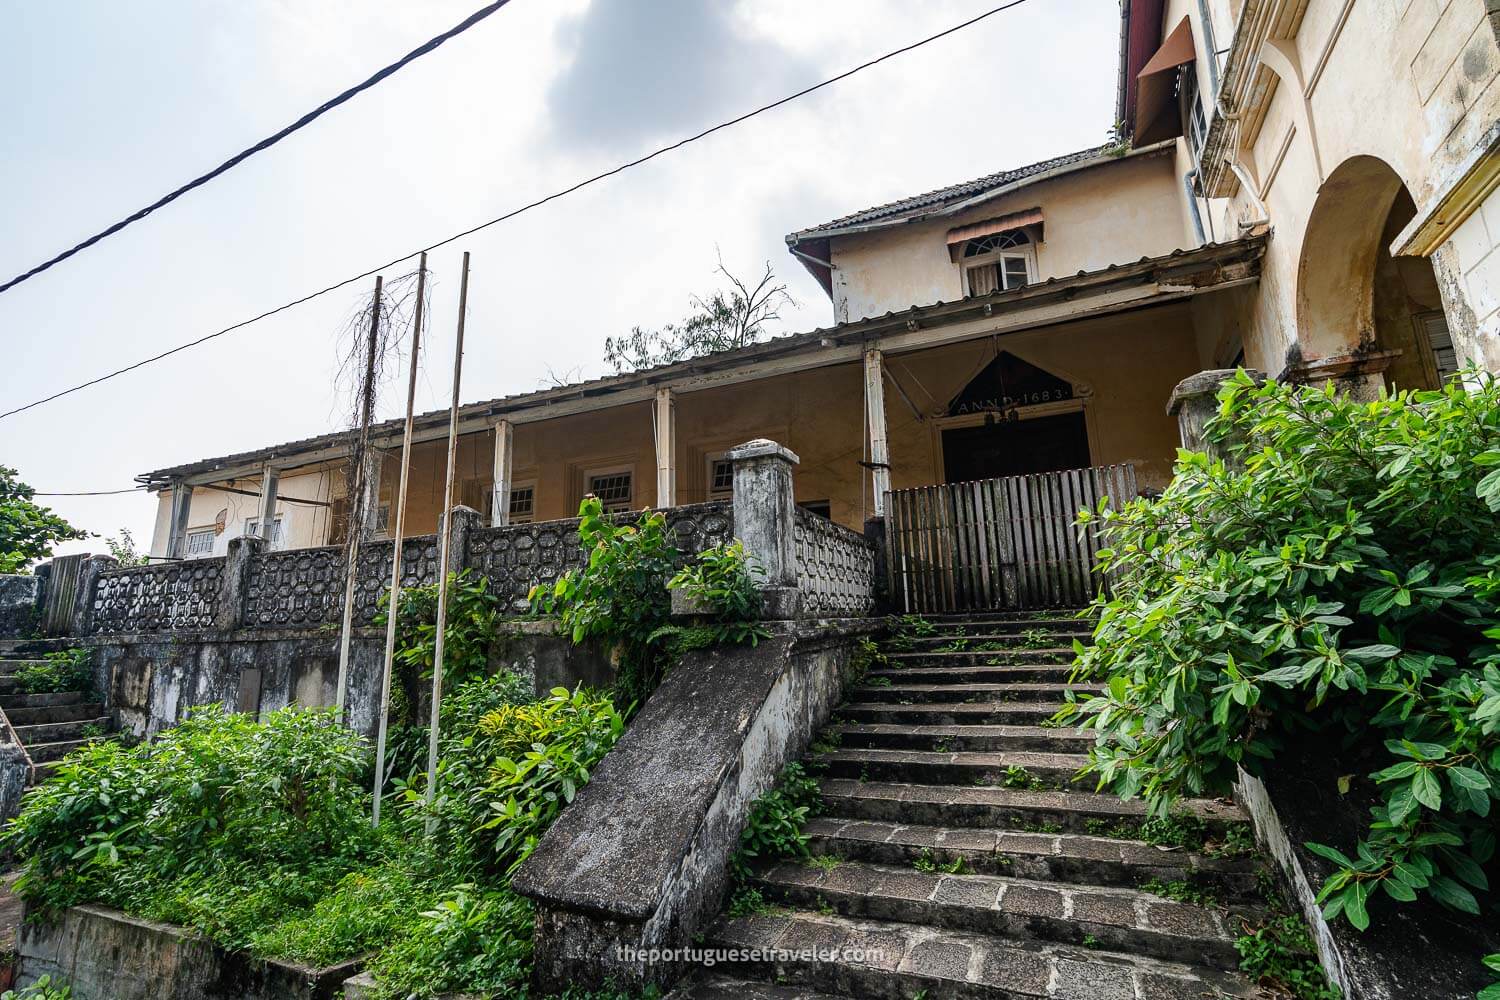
1118, 288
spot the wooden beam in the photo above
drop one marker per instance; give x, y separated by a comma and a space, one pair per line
880, 454
666, 448
500, 504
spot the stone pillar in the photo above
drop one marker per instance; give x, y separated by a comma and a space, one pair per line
234, 584
182, 502
765, 520
83, 604
1194, 402
465, 520
666, 448
880, 454
500, 505
1359, 375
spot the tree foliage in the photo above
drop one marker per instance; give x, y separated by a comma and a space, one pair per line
1339, 583
725, 319
27, 529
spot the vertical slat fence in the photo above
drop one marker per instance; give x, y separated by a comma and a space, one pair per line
999, 544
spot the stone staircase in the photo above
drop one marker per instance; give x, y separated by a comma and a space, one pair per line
49, 726
954, 857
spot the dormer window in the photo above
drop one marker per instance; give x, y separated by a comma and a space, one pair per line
999, 261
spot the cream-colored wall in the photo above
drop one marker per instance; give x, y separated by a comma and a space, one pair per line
302, 525
1110, 214
1469, 266
1409, 82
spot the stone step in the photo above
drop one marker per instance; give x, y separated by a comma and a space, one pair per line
889, 736
52, 732
1001, 621
1048, 656
1053, 857
1118, 919
982, 713
1011, 769
897, 961
67, 711
1000, 639
926, 693
712, 986
9, 667
975, 673
43, 770
1009, 808
44, 752
24, 701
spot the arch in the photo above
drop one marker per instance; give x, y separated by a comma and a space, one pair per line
1340, 247
1355, 302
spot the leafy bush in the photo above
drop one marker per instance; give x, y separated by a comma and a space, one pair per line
774, 828
721, 579
473, 939
619, 597
540, 755
468, 636
1280, 954
66, 670
1338, 583
45, 988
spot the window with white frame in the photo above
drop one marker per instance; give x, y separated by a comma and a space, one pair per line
720, 478
612, 487
522, 503
1195, 126
999, 261
252, 528
200, 542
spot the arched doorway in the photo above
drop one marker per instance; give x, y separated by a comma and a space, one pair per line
1362, 314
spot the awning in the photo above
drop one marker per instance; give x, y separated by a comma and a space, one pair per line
989, 227
1157, 116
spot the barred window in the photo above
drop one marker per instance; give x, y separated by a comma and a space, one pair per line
612, 489
200, 543
252, 528
522, 504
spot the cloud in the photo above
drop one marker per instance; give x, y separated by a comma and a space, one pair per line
644, 69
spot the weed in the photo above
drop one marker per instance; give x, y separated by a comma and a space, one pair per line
747, 901
877, 682
1279, 953
1089, 941
1017, 776
926, 862
827, 862
1180, 891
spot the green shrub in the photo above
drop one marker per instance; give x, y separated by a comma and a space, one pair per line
67, 670
619, 598
540, 755
1279, 954
468, 638
473, 939
45, 988
1338, 584
774, 828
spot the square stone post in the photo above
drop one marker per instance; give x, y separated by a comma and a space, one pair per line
88, 580
234, 584
1194, 402
765, 520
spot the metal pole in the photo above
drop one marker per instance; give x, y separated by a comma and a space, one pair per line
399, 529
446, 545
357, 504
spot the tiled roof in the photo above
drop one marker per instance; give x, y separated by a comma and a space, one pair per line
943, 197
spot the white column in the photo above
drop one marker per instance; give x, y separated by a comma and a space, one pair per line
666, 448
182, 502
270, 481
374, 463
500, 506
880, 454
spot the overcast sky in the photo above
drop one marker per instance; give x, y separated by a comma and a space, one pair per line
108, 105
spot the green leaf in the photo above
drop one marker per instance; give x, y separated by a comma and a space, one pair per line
1354, 905
1398, 890
1467, 777
1453, 895
1426, 790
1331, 853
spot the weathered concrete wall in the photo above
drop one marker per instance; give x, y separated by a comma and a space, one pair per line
533, 649
1410, 950
106, 955
150, 682
19, 597
641, 856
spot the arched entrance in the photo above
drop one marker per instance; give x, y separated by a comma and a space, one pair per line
1362, 314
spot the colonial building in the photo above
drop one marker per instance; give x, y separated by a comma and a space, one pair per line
1303, 188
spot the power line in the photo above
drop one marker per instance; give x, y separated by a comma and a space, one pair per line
266, 143
90, 493
659, 151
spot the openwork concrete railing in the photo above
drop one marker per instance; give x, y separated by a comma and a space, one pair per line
179, 596
835, 568
814, 567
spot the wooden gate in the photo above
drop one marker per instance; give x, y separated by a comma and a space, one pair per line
1008, 544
